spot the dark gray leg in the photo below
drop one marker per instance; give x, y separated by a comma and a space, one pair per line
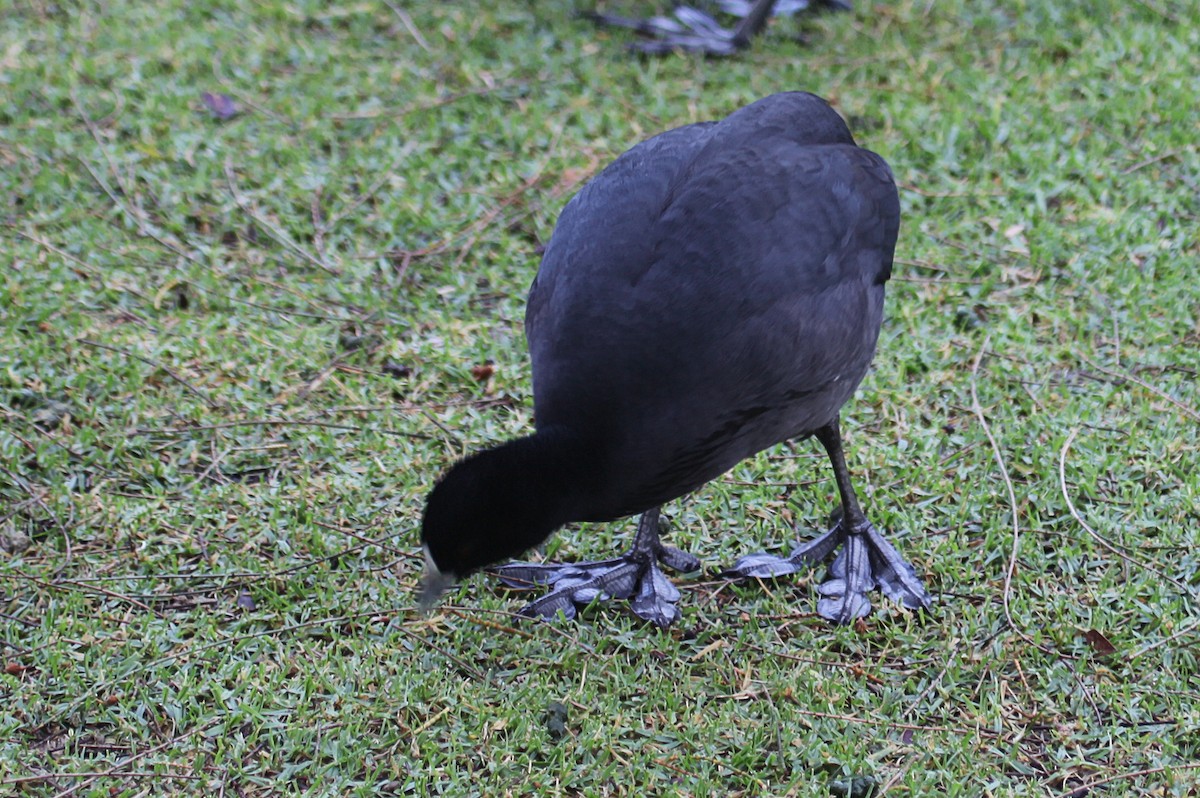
866, 560
634, 575
752, 24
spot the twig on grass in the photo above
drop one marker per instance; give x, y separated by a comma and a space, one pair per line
101, 774
1062, 484
332, 222
150, 362
977, 408
95, 134
407, 22
243, 580
275, 232
429, 106
969, 192
26, 623
490, 216
318, 220
475, 229
1162, 12
432, 419
363, 538
462, 612
887, 724
895, 779
1010, 570
138, 219
67, 584
40, 500
1188, 411
1085, 789
279, 632
91, 271
118, 770
95, 274
274, 422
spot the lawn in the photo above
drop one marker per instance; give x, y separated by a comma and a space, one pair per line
262, 276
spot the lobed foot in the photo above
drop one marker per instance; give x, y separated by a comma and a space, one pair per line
690, 30
695, 31
634, 575
866, 561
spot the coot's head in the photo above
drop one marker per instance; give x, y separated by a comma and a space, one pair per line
486, 509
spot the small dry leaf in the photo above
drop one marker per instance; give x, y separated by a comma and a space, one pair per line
222, 106
483, 373
15, 668
1099, 643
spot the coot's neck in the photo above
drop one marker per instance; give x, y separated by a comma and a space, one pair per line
521, 491
548, 473
502, 501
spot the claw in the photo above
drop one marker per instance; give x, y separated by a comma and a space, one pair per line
678, 559
897, 579
634, 576
579, 587
760, 565
844, 609
525, 575
768, 566
865, 562
655, 601
846, 592
550, 605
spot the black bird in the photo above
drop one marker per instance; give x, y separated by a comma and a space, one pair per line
693, 30
715, 290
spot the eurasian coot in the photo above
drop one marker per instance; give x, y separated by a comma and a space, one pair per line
716, 290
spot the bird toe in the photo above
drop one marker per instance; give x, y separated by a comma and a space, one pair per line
760, 565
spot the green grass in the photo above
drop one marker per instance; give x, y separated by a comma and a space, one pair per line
234, 355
